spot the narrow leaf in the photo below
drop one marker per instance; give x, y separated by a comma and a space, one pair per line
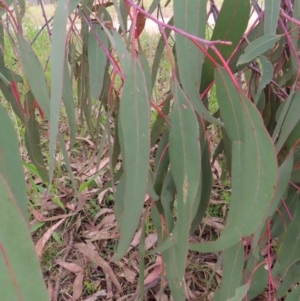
10, 164
266, 77
185, 159
190, 16
32, 142
57, 61
254, 165
258, 47
290, 121
271, 16
20, 277
96, 56
230, 26
134, 126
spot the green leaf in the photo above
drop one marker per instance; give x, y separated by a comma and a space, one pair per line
34, 74
254, 165
20, 277
271, 16
10, 164
32, 142
72, 5
134, 125
240, 293
258, 47
284, 171
204, 190
292, 276
232, 272
159, 52
96, 55
258, 274
237, 12
294, 295
57, 62
289, 247
190, 16
8, 95
266, 76
290, 121
185, 160
167, 200
69, 104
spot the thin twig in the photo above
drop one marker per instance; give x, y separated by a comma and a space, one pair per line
45, 18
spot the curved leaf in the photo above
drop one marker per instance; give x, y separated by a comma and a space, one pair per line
134, 128
10, 163
254, 166
258, 47
20, 278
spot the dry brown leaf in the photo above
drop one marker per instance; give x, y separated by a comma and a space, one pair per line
161, 297
38, 216
78, 286
95, 258
42, 241
102, 194
213, 223
136, 239
101, 212
100, 235
107, 222
150, 241
140, 24
72, 267
129, 275
50, 289
95, 296
156, 272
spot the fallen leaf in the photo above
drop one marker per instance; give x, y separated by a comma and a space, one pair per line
42, 241
72, 267
100, 235
161, 297
78, 286
95, 258
156, 272
50, 289
95, 296
150, 241
129, 275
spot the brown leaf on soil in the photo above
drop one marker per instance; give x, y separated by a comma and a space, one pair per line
72, 267
50, 289
42, 241
78, 286
95, 258
156, 272
129, 274
95, 296
100, 235
150, 241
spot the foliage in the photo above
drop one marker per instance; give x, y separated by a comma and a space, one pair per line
254, 71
